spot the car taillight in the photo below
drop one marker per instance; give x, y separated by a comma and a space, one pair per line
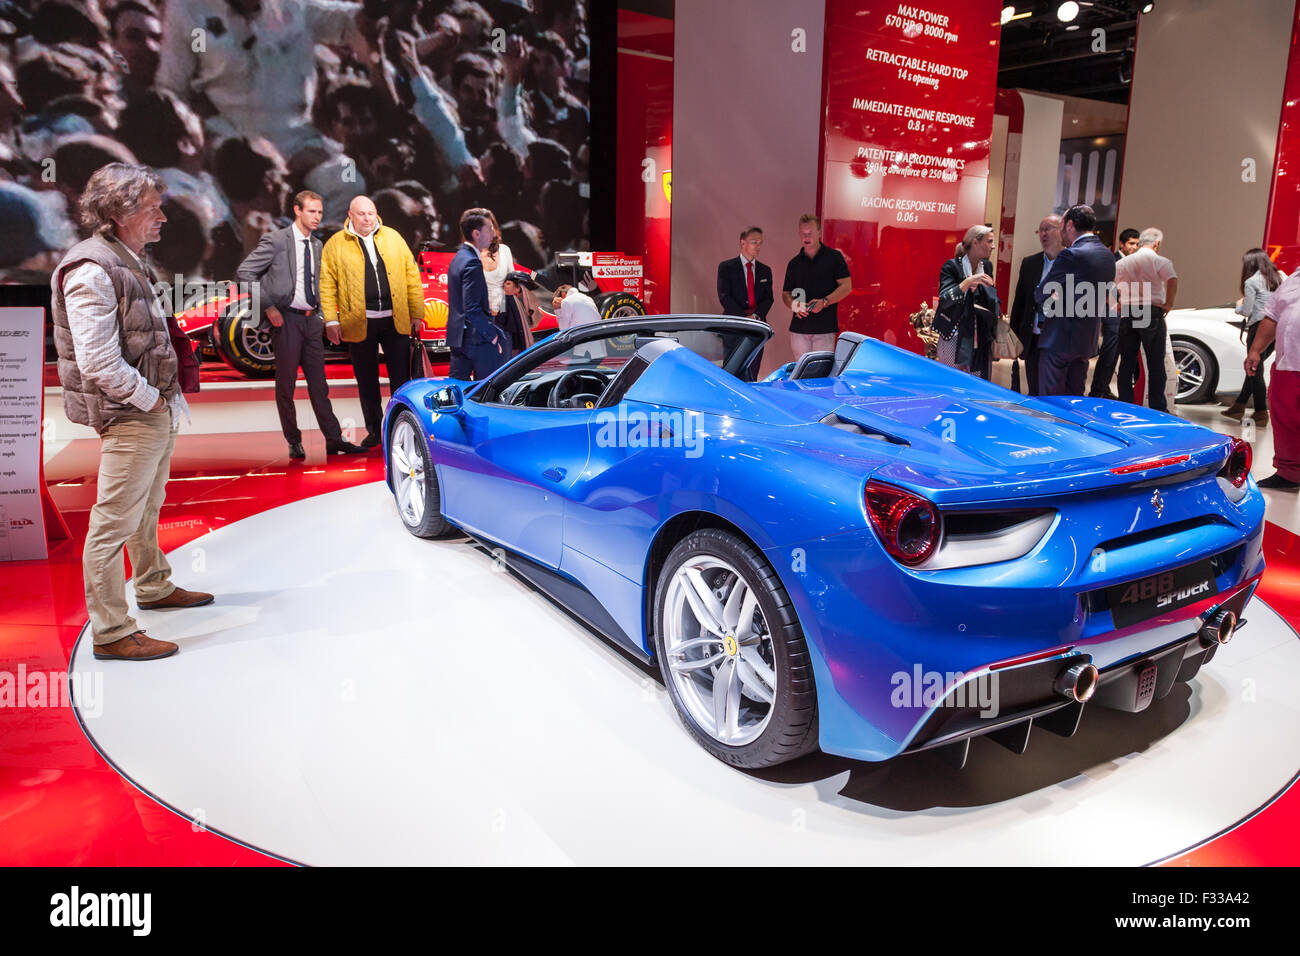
1237, 467
907, 524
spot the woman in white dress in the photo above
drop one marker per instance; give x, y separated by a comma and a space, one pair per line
497, 264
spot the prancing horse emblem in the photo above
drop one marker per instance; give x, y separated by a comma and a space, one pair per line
1158, 503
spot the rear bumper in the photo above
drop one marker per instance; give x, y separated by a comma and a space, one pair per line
875, 630
1012, 699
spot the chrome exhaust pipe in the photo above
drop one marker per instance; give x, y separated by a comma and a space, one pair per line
1218, 629
1077, 682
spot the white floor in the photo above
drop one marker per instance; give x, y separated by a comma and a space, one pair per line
360, 696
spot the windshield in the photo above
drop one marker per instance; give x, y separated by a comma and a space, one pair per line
555, 372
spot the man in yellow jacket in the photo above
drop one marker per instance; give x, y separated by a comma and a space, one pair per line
370, 293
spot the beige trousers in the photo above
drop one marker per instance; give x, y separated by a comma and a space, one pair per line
802, 343
135, 461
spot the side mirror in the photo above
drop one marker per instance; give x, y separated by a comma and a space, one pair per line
446, 400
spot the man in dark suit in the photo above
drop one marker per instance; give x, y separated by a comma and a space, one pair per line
1074, 297
744, 283
1026, 320
286, 267
477, 345
745, 289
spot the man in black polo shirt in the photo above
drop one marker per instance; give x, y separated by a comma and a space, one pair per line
815, 279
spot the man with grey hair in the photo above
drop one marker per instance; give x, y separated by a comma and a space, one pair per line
1146, 284
1026, 317
121, 376
371, 295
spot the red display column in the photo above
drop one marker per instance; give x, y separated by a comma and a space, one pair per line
907, 120
645, 148
1282, 229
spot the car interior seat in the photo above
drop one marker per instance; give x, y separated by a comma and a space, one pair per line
813, 365
845, 346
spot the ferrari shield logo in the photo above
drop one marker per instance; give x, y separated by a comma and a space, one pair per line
668, 184
1158, 503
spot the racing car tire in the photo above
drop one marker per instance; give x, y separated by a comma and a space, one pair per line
406, 439
791, 729
618, 305
246, 348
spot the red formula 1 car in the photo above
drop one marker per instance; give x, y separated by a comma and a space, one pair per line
224, 327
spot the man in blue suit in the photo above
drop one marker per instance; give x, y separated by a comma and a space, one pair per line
477, 345
1074, 297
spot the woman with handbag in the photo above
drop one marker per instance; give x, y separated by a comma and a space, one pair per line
521, 313
1259, 280
968, 313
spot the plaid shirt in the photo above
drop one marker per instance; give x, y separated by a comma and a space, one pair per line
1284, 308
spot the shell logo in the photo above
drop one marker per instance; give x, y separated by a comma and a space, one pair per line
435, 314
668, 184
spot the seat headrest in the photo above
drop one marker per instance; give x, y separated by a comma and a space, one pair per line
813, 365
845, 346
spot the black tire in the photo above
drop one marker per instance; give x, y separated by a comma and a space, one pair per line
791, 729
1202, 358
618, 305
247, 348
429, 522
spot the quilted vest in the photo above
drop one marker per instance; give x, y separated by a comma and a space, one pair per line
141, 330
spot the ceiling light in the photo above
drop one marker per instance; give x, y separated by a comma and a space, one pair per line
1148, 7
1007, 13
1067, 11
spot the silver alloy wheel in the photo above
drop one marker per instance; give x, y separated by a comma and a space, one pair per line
1191, 370
719, 651
257, 341
408, 473
625, 312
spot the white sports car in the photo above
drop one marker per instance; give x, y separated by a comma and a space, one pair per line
1208, 351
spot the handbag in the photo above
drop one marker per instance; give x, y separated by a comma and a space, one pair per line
1006, 344
944, 324
421, 367
187, 363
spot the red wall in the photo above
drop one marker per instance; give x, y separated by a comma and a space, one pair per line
1282, 228
895, 254
645, 131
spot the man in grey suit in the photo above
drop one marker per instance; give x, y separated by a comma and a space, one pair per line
286, 264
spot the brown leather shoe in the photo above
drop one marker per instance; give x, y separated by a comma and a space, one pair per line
135, 647
179, 598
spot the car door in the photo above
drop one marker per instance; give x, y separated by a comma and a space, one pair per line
507, 474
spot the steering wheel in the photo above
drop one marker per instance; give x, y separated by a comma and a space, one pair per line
578, 388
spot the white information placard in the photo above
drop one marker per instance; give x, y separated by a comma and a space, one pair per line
22, 358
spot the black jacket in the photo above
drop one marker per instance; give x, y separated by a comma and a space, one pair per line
1022, 302
1081, 276
468, 320
733, 291
960, 307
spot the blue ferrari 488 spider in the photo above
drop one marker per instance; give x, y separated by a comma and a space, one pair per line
868, 552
